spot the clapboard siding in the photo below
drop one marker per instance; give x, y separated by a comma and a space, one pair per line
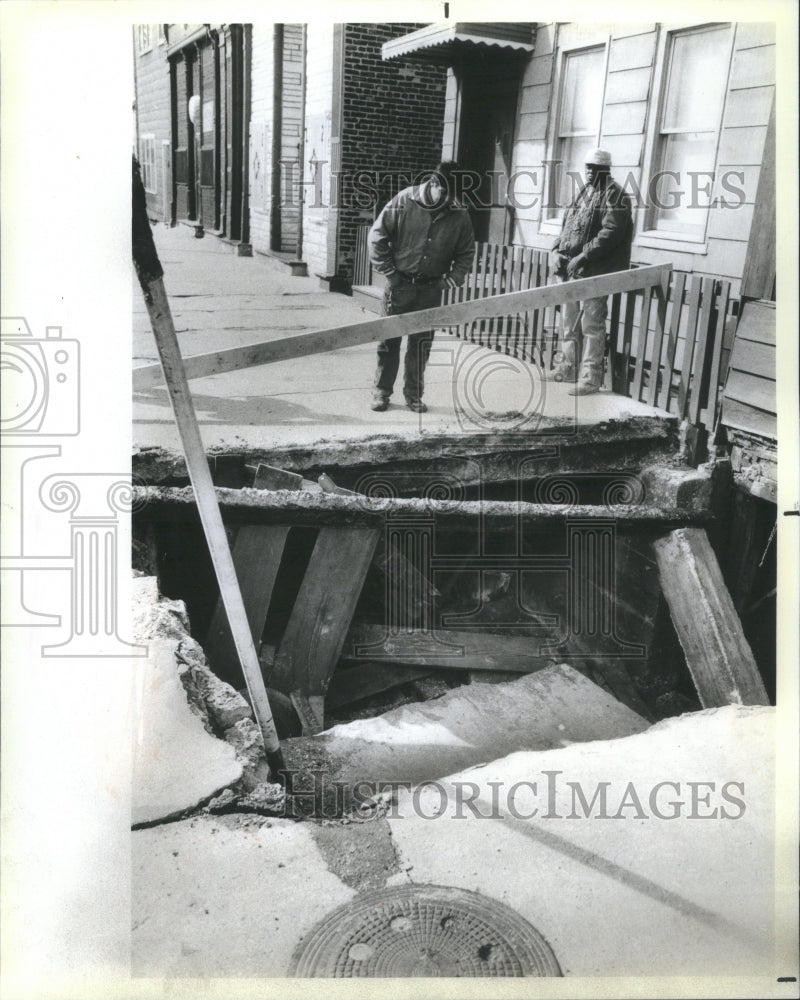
749, 398
750, 356
625, 85
632, 52
624, 119
628, 130
748, 107
753, 67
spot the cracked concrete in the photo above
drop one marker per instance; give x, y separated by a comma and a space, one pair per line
289, 406
633, 894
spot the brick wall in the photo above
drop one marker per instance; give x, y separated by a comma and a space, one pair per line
153, 119
393, 117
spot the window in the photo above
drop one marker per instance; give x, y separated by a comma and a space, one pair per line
147, 161
578, 129
143, 37
686, 142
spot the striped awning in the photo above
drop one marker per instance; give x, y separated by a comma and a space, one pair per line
447, 43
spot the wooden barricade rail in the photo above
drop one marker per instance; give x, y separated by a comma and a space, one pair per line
455, 314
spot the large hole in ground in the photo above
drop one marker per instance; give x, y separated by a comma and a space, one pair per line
612, 624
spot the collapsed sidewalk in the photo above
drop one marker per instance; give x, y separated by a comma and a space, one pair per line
602, 817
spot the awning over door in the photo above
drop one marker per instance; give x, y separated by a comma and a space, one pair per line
445, 44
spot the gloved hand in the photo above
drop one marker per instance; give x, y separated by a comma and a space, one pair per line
393, 279
575, 265
448, 281
557, 261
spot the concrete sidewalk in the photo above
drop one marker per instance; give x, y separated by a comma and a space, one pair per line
219, 300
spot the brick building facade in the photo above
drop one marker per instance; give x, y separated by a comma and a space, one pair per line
289, 115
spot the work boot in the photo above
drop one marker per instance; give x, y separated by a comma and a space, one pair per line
585, 387
379, 402
561, 373
416, 405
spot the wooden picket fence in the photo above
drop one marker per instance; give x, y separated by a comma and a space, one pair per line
668, 346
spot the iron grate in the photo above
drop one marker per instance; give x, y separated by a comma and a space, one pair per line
423, 930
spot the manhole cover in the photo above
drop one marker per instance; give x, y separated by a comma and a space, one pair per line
423, 930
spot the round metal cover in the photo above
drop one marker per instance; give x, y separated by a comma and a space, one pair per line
423, 930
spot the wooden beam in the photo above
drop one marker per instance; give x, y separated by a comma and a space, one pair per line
318, 341
710, 632
448, 650
323, 609
150, 273
256, 556
255, 507
368, 679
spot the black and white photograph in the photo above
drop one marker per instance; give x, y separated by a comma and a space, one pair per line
400, 577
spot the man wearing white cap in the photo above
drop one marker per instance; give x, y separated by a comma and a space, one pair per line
595, 239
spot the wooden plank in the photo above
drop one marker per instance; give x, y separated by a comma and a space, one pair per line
515, 285
449, 650
699, 361
368, 679
398, 572
752, 390
269, 478
319, 341
757, 359
323, 608
688, 347
309, 715
627, 342
678, 284
758, 273
757, 323
486, 329
719, 659
612, 371
256, 556
714, 377
661, 293
641, 345
150, 274
745, 418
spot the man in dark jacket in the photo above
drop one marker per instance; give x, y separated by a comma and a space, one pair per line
595, 239
422, 242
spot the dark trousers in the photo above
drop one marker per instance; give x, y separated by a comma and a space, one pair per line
404, 299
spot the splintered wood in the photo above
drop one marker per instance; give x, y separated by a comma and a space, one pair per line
710, 632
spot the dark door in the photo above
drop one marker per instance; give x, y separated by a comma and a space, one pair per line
182, 71
488, 111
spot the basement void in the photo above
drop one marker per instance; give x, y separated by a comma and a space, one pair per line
378, 575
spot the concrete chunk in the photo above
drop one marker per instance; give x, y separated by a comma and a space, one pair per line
554, 707
176, 763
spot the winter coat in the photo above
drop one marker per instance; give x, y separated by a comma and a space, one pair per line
599, 225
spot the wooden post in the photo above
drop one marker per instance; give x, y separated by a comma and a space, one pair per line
710, 632
150, 273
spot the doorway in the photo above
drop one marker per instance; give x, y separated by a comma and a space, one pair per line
488, 113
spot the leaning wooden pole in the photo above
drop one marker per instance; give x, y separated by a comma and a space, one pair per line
150, 273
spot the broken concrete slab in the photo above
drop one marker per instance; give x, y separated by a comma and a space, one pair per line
176, 763
158, 617
226, 896
470, 725
638, 887
628, 896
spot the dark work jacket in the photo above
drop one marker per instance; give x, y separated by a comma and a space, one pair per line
411, 238
599, 225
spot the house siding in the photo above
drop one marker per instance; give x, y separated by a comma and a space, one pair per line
630, 104
153, 119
